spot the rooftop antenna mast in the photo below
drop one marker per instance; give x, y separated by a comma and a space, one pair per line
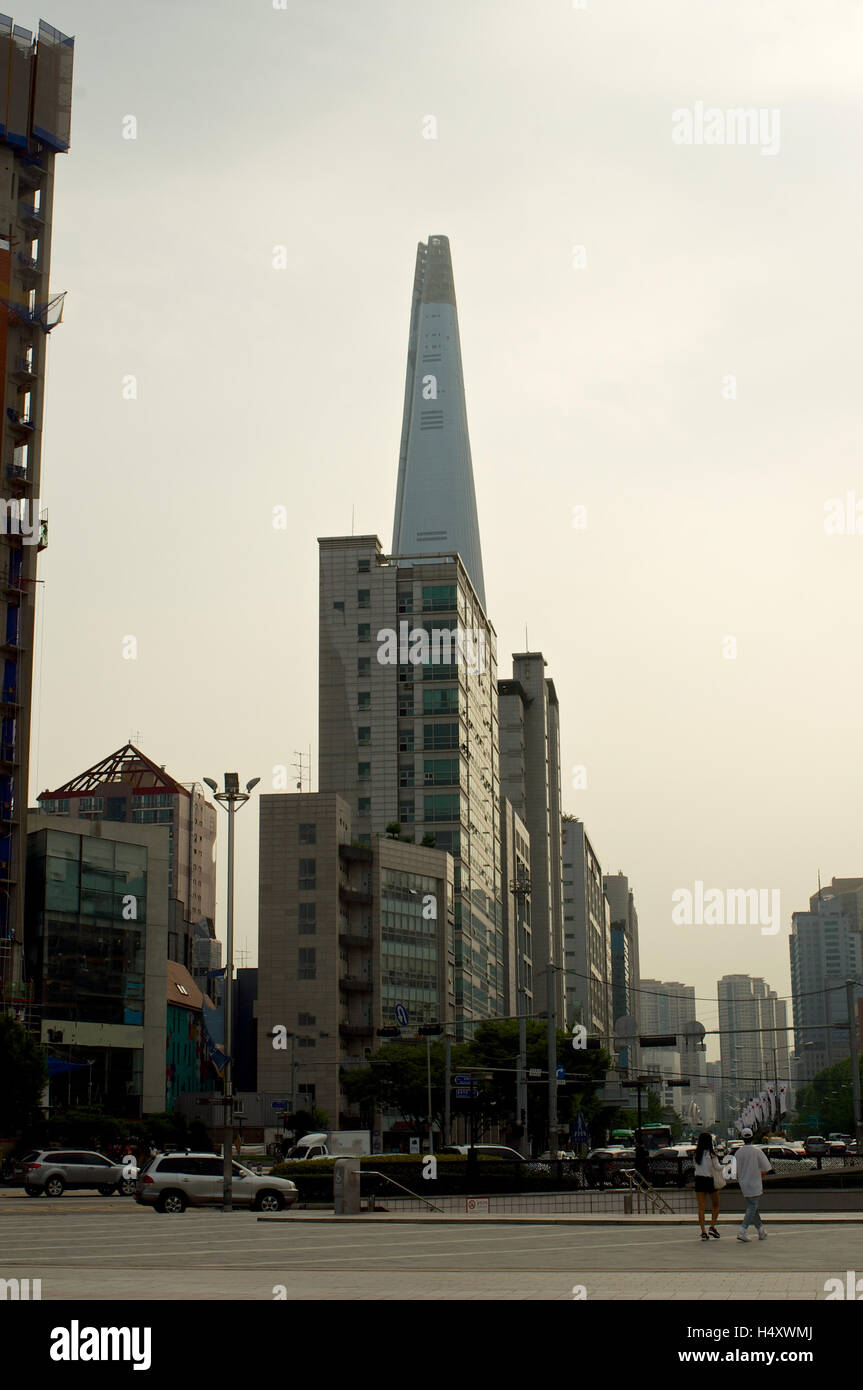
301, 762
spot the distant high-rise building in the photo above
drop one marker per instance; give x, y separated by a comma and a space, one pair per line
435, 500
665, 1006
129, 787
518, 912
625, 998
826, 948
587, 925
530, 778
753, 1040
35, 115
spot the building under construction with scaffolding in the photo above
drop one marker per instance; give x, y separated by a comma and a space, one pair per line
35, 116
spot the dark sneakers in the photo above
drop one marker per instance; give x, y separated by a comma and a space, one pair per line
714, 1232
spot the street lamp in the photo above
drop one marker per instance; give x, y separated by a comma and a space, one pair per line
232, 799
429, 1031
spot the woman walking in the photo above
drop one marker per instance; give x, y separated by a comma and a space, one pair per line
708, 1174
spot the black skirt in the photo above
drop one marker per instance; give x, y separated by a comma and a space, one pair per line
704, 1184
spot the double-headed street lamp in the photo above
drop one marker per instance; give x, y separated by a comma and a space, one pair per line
232, 799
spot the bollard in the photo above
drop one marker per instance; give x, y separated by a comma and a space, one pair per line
627, 1204
346, 1186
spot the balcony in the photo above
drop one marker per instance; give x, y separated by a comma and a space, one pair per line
30, 213
355, 936
359, 854
360, 896
347, 1030
23, 366
19, 421
356, 983
17, 476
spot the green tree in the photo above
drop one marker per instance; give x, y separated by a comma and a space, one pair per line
830, 1096
23, 1077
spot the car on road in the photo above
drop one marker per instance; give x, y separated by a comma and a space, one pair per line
487, 1151
787, 1157
173, 1182
816, 1144
53, 1171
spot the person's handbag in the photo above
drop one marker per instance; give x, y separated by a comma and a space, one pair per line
718, 1175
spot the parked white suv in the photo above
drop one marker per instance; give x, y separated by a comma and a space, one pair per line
172, 1182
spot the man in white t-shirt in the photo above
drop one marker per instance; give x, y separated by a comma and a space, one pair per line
751, 1163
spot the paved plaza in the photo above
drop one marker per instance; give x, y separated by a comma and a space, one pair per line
96, 1248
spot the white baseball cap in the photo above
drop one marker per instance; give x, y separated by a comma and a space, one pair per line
746, 1133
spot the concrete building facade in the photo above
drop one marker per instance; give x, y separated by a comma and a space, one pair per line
587, 923
347, 931
408, 730
518, 910
530, 780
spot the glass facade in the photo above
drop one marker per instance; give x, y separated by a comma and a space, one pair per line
410, 966
87, 908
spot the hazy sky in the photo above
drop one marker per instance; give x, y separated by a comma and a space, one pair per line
603, 385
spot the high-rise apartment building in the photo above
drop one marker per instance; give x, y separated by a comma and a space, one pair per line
587, 926
128, 787
530, 778
408, 729
518, 913
35, 116
826, 947
623, 929
753, 1040
347, 932
665, 1006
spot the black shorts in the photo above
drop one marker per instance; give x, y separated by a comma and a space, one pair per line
704, 1184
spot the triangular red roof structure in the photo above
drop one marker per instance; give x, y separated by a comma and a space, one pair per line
128, 766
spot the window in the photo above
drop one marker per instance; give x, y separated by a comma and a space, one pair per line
406, 741
406, 812
406, 776
364, 699
339, 606
405, 600
307, 874
406, 703
307, 919
364, 632
364, 733
364, 806
308, 833
441, 772
306, 963
364, 598
406, 674
363, 566
440, 736
364, 665
364, 772
438, 597
305, 1042
305, 1020
444, 807
440, 701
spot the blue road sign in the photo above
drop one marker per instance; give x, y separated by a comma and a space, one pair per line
280, 1105
561, 1073
402, 1016
461, 1080
578, 1130
466, 1093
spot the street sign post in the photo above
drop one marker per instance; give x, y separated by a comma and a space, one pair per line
402, 1016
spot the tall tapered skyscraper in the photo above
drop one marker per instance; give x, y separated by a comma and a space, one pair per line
435, 499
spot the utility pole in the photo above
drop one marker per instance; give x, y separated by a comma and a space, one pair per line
855, 1063
447, 1097
552, 1063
